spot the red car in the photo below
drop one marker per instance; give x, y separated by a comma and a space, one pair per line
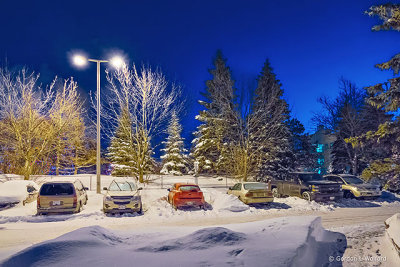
186, 195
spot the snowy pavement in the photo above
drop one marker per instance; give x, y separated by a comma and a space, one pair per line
20, 227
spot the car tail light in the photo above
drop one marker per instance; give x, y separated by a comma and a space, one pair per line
249, 194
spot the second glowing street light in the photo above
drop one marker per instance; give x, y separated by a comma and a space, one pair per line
82, 61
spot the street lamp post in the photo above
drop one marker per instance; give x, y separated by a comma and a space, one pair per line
81, 61
98, 148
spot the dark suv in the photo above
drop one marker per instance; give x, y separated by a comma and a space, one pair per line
307, 185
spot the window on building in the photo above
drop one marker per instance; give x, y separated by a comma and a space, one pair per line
320, 148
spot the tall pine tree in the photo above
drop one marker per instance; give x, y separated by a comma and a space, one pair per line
268, 128
219, 121
121, 150
174, 158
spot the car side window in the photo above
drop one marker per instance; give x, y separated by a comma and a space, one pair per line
30, 189
236, 186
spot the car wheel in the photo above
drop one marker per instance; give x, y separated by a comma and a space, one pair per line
173, 205
80, 207
306, 195
348, 194
141, 209
275, 192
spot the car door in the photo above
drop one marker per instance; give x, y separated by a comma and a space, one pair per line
236, 189
295, 187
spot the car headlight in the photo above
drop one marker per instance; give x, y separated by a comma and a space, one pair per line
135, 198
108, 199
314, 188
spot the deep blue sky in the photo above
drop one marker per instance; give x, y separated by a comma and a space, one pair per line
310, 44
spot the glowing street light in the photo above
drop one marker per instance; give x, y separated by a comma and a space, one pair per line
117, 62
82, 61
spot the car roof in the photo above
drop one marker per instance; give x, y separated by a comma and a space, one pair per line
181, 184
62, 181
341, 174
253, 182
304, 173
123, 180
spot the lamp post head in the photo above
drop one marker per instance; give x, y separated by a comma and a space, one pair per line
79, 60
117, 62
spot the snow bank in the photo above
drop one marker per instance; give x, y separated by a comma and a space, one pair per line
15, 191
393, 231
290, 241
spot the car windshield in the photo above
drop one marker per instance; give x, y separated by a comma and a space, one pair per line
352, 179
189, 188
122, 186
306, 177
57, 189
253, 186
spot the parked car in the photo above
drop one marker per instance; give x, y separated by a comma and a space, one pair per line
252, 192
122, 196
15, 191
307, 185
61, 197
354, 187
186, 195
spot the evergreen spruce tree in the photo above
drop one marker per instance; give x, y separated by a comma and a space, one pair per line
174, 158
219, 121
268, 128
305, 158
385, 96
121, 151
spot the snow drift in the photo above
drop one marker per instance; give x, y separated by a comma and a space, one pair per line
288, 241
393, 231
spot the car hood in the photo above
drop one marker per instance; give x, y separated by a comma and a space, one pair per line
121, 193
365, 186
321, 183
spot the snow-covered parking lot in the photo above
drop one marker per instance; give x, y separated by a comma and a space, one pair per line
20, 227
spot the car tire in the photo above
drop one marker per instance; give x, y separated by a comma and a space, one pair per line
348, 194
141, 209
306, 195
275, 192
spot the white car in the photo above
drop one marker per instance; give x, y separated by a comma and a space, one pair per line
16, 191
122, 196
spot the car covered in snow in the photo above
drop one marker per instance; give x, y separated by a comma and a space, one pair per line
354, 187
122, 196
307, 185
186, 195
16, 191
61, 197
252, 192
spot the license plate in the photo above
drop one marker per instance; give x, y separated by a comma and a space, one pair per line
122, 207
331, 198
189, 203
56, 203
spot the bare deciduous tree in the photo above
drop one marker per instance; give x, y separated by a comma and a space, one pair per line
150, 101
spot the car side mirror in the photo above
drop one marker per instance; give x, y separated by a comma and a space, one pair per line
104, 188
169, 190
230, 188
86, 188
140, 188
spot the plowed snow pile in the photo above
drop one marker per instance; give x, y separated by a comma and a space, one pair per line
275, 242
